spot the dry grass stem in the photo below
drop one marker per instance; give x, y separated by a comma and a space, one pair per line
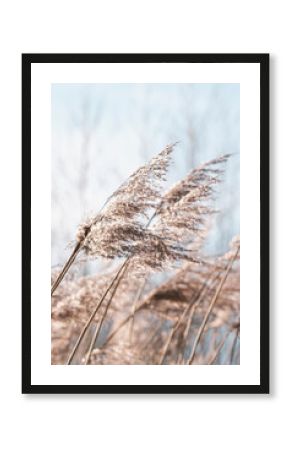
89, 321
100, 323
212, 303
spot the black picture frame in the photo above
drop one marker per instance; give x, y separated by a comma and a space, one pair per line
27, 61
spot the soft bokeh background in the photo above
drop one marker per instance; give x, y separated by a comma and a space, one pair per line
102, 132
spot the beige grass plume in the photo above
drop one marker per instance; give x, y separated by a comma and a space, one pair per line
183, 213
118, 230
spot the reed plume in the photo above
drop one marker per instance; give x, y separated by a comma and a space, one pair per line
117, 230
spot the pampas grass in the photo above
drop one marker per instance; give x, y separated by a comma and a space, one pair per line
125, 316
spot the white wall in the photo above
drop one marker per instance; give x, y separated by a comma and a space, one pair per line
76, 422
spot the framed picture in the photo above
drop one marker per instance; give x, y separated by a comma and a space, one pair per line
145, 228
